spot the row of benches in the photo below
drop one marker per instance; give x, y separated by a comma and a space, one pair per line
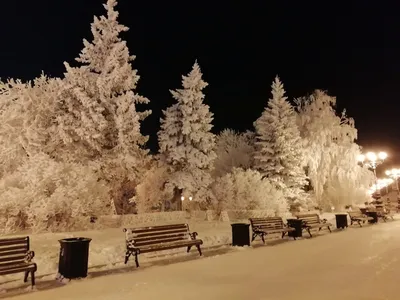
16, 256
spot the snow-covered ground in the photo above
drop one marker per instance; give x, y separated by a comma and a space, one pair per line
358, 263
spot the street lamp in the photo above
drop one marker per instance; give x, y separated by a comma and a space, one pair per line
372, 160
395, 175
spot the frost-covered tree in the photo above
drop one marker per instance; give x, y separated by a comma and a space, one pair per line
98, 110
98, 118
331, 152
27, 114
278, 146
185, 138
234, 150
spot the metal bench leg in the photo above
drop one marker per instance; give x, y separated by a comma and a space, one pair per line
33, 278
188, 249
199, 249
26, 276
262, 237
309, 232
329, 228
127, 255
283, 234
136, 260
254, 236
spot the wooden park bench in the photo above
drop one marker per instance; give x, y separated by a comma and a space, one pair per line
159, 238
312, 221
358, 217
270, 225
15, 257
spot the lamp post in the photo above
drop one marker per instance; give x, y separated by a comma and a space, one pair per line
372, 160
395, 175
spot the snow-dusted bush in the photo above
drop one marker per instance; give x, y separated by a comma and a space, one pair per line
153, 190
27, 113
247, 190
46, 195
234, 150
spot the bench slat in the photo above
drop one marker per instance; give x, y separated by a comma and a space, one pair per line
12, 248
155, 233
17, 268
11, 258
13, 252
158, 228
169, 246
158, 241
13, 242
154, 238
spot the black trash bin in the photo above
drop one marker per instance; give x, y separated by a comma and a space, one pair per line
240, 234
74, 257
341, 221
374, 215
297, 225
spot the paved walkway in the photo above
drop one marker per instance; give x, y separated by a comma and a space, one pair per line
359, 264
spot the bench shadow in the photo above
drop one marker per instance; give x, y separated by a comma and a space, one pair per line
25, 288
99, 271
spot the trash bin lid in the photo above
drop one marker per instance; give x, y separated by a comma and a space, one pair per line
240, 224
75, 240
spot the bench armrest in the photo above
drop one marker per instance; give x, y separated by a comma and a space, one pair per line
304, 223
29, 256
324, 221
193, 235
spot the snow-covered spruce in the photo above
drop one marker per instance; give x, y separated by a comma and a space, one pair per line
278, 146
98, 104
185, 138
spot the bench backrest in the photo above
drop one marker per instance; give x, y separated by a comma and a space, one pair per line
13, 251
153, 235
267, 223
310, 219
355, 214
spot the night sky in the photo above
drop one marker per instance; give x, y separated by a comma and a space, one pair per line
351, 51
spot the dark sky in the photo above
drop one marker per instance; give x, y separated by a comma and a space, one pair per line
351, 51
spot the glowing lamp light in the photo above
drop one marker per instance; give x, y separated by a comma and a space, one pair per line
190, 198
371, 156
182, 198
361, 158
382, 155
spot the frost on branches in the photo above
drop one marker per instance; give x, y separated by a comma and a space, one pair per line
247, 190
185, 138
99, 103
27, 113
331, 152
234, 150
98, 120
43, 194
278, 146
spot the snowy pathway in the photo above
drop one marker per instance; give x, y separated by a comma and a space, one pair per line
359, 263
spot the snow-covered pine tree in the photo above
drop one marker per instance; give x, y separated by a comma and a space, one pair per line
278, 146
185, 138
98, 117
98, 106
